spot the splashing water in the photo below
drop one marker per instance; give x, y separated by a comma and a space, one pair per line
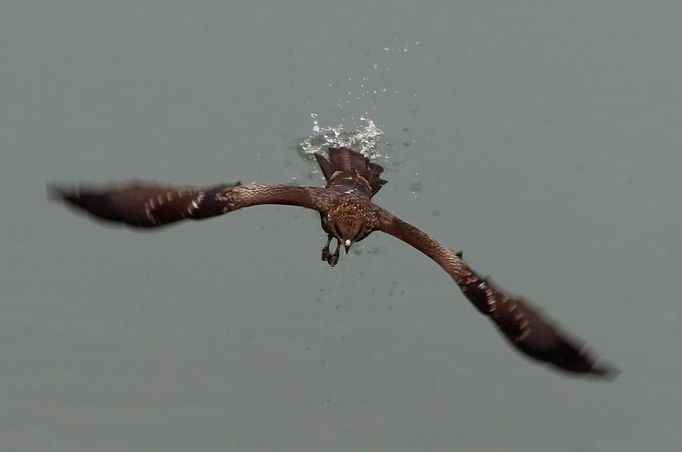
362, 137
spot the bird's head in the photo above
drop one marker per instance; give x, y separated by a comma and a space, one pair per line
349, 231
348, 224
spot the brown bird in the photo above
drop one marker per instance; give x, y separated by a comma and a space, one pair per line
348, 216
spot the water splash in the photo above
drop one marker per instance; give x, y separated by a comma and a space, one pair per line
362, 137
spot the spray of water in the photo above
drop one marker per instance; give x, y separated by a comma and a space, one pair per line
362, 136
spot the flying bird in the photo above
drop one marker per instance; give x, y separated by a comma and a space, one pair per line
348, 216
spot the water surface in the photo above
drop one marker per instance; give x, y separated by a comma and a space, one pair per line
542, 139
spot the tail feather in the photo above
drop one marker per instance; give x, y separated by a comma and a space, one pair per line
350, 163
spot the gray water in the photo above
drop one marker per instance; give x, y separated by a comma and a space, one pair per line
542, 138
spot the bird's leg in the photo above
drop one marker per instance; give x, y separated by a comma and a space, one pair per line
325, 250
331, 259
334, 258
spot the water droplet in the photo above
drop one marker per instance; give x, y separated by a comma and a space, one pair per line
362, 135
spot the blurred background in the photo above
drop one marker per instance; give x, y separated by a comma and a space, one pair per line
542, 138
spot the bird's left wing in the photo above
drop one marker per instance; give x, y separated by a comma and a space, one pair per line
526, 328
149, 205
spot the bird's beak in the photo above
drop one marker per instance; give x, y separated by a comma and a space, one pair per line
347, 244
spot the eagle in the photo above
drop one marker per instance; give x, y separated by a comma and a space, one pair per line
348, 216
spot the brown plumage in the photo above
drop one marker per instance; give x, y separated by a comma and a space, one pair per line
348, 215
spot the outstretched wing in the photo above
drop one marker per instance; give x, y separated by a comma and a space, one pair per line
523, 325
149, 205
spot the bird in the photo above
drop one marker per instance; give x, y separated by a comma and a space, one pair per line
348, 216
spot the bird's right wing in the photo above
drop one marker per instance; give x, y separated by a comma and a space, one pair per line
526, 328
150, 205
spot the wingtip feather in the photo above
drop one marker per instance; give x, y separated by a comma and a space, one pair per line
605, 371
55, 192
